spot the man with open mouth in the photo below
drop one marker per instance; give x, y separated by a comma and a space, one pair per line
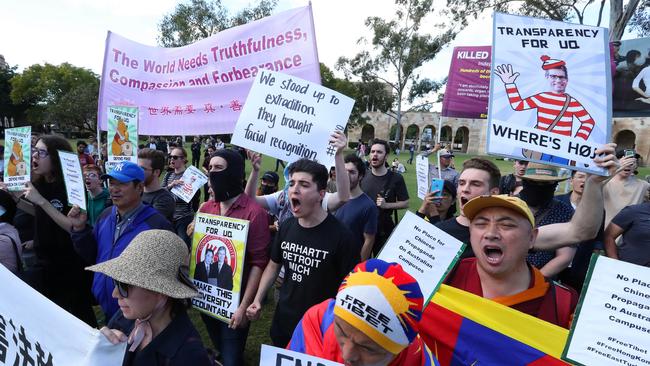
502, 232
481, 177
625, 189
315, 249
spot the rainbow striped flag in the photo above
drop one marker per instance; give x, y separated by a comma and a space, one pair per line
465, 329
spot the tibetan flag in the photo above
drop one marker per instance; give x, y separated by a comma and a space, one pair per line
464, 329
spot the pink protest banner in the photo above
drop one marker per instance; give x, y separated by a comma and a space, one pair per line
201, 88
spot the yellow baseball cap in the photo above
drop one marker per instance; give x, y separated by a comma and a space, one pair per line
477, 204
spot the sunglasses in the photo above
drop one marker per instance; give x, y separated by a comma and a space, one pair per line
122, 288
175, 157
42, 153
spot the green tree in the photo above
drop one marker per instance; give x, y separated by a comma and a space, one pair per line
620, 12
7, 108
64, 95
199, 19
367, 95
398, 50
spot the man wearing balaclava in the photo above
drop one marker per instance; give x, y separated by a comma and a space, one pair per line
226, 171
539, 183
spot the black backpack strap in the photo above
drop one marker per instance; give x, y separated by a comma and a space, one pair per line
19, 262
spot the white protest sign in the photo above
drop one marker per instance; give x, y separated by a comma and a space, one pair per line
73, 179
422, 175
279, 356
289, 118
35, 331
612, 323
424, 251
193, 179
17, 157
550, 92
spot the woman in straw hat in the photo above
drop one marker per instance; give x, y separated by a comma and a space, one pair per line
152, 288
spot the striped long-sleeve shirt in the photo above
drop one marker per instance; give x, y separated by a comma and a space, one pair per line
549, 105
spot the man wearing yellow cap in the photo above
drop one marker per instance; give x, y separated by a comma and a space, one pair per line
373, 320
502, 231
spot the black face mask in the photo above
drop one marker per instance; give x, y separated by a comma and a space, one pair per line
225, 184
264, 189
537, 195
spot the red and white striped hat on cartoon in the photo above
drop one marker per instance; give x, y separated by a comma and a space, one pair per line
549, 63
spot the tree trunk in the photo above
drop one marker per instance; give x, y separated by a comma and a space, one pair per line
619, 17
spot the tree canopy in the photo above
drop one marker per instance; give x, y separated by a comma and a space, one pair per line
620, 12
398, 49
65, 95
199, 19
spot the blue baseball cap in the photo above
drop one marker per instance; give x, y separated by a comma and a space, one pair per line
125, 171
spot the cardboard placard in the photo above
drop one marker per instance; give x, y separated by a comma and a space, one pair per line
289, 118
217, 263
193, 179
17, 157
550, 92
73, 179
424, 251
611, 325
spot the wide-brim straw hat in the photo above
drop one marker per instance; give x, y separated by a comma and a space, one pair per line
543, 173
155, 260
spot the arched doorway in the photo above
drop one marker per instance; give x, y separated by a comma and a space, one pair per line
412, 135
625, 139
445, 135
461, 141
367, 132
391, 135
428, 135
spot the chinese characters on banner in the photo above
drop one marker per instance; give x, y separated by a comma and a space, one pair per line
201, 88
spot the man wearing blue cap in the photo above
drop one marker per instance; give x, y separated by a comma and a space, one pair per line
115, 227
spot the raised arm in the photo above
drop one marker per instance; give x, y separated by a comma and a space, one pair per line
251, 184
586, 220
339, 141
32, 194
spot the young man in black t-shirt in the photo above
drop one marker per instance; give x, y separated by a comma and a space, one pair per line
387, 189
313, 246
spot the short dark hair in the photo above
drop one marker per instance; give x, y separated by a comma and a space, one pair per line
381, 142
209, 250
156, 157
358, 163
317, 171
81, 142
487, 166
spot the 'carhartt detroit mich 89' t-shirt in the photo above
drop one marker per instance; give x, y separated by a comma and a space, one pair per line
315, 261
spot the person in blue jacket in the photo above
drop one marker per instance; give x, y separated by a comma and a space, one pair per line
115, 227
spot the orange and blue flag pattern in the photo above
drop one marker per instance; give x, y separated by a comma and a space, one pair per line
464, 329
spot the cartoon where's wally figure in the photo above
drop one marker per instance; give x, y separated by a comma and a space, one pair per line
556, 109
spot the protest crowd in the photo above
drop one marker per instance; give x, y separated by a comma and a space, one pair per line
143, 263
